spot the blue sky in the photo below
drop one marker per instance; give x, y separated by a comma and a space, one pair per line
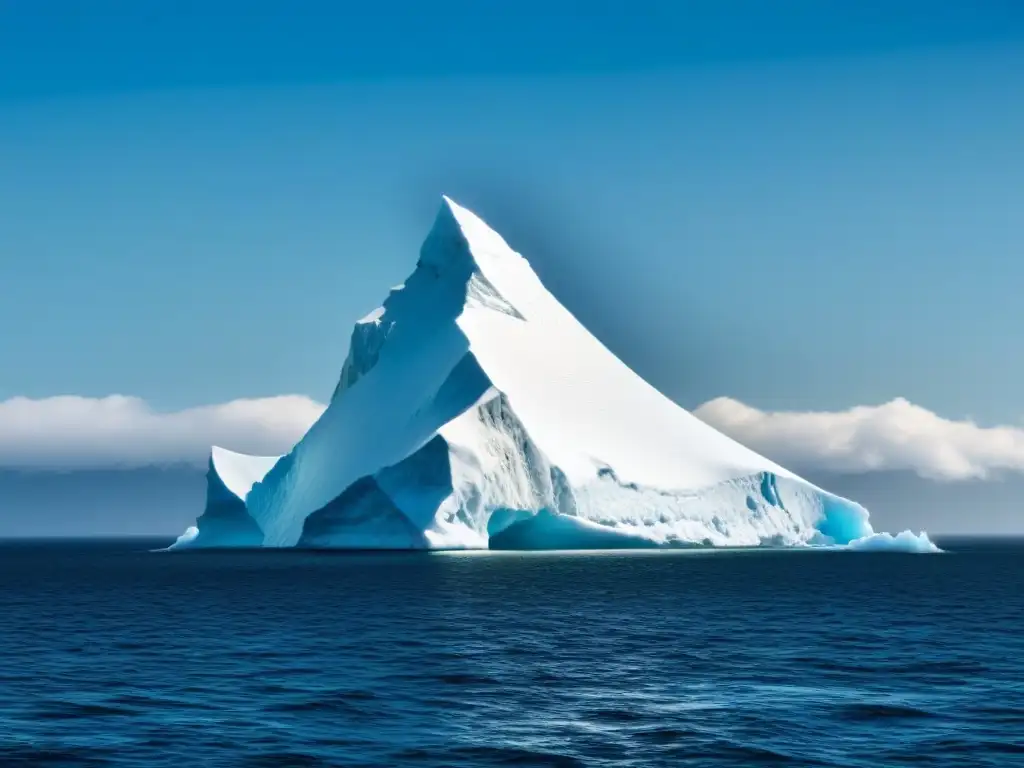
801, 205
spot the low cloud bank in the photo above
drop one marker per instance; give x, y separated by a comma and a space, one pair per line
72, 432
897, 435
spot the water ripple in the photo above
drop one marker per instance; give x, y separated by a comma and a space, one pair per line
115, 656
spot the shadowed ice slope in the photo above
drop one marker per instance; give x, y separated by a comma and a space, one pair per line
474, 409
225, 520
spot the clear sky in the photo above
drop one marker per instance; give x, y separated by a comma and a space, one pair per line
796, 204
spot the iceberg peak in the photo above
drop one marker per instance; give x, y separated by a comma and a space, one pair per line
461, 237
463, 217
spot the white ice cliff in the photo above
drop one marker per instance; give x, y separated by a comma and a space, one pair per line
475, 411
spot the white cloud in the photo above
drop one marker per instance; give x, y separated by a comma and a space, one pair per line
73, 432
895, 436
117, 431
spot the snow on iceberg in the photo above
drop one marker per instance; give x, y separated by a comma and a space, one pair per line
474, 410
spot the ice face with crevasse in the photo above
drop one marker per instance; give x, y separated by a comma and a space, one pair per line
474, 411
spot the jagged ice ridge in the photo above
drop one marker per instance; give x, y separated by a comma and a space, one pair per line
474, 411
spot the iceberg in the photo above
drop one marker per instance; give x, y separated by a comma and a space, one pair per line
474, 411
906, 541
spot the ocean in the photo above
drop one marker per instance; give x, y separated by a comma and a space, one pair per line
114, 655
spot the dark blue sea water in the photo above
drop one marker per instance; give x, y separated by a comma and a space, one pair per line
111, 655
